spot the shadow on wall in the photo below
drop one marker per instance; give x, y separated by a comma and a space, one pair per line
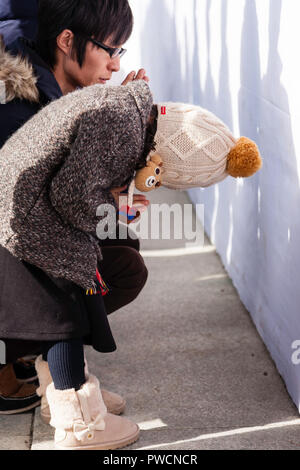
254, 222
267, 200
280, 198
241, 196
279, 210
263, 211
272, 239
160, 53
217, 209
218, 197
277, 207
175, 76
246, 197
196, 83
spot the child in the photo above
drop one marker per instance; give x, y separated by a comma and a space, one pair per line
69, 156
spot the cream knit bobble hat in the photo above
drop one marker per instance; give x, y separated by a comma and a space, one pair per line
196, 150
193, 144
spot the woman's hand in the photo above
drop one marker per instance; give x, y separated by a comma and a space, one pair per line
116, 193
132, 76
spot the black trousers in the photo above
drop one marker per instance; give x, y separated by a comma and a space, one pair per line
123, 269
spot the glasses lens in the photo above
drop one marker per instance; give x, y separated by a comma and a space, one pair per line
118, 53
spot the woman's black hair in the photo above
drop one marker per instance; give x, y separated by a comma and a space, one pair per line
99, 19
150, 143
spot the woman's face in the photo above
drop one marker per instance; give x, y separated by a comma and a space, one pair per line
98, 66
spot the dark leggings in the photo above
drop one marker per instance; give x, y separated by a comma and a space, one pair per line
66, 362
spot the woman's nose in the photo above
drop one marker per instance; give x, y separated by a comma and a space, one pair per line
114, 64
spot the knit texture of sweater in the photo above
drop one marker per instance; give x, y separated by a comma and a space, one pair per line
58, 169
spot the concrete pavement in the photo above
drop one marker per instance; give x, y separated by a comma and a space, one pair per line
190, 362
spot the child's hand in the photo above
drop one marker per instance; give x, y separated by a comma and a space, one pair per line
140, 201
141, 75
132, 216
139, 205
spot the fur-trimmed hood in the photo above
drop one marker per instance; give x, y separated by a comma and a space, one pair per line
18, 75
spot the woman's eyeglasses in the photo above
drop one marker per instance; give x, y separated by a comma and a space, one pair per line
113, 51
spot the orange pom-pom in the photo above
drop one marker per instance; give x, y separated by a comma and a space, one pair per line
244, 159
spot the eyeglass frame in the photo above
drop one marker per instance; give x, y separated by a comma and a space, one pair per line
110, 50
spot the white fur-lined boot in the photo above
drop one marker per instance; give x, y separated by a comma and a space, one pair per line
81, 420
114, 403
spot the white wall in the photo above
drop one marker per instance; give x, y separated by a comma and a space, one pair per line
240, 59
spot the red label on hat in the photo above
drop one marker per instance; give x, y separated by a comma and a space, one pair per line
163, 110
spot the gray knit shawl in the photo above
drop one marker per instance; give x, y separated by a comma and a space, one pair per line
59, 168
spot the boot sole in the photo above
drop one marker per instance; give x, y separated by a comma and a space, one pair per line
27, 408
120, 410
105, 446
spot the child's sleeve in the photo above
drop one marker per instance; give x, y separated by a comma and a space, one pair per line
99, 156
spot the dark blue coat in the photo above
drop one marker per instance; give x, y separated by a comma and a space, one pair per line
18, 18
18, 111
